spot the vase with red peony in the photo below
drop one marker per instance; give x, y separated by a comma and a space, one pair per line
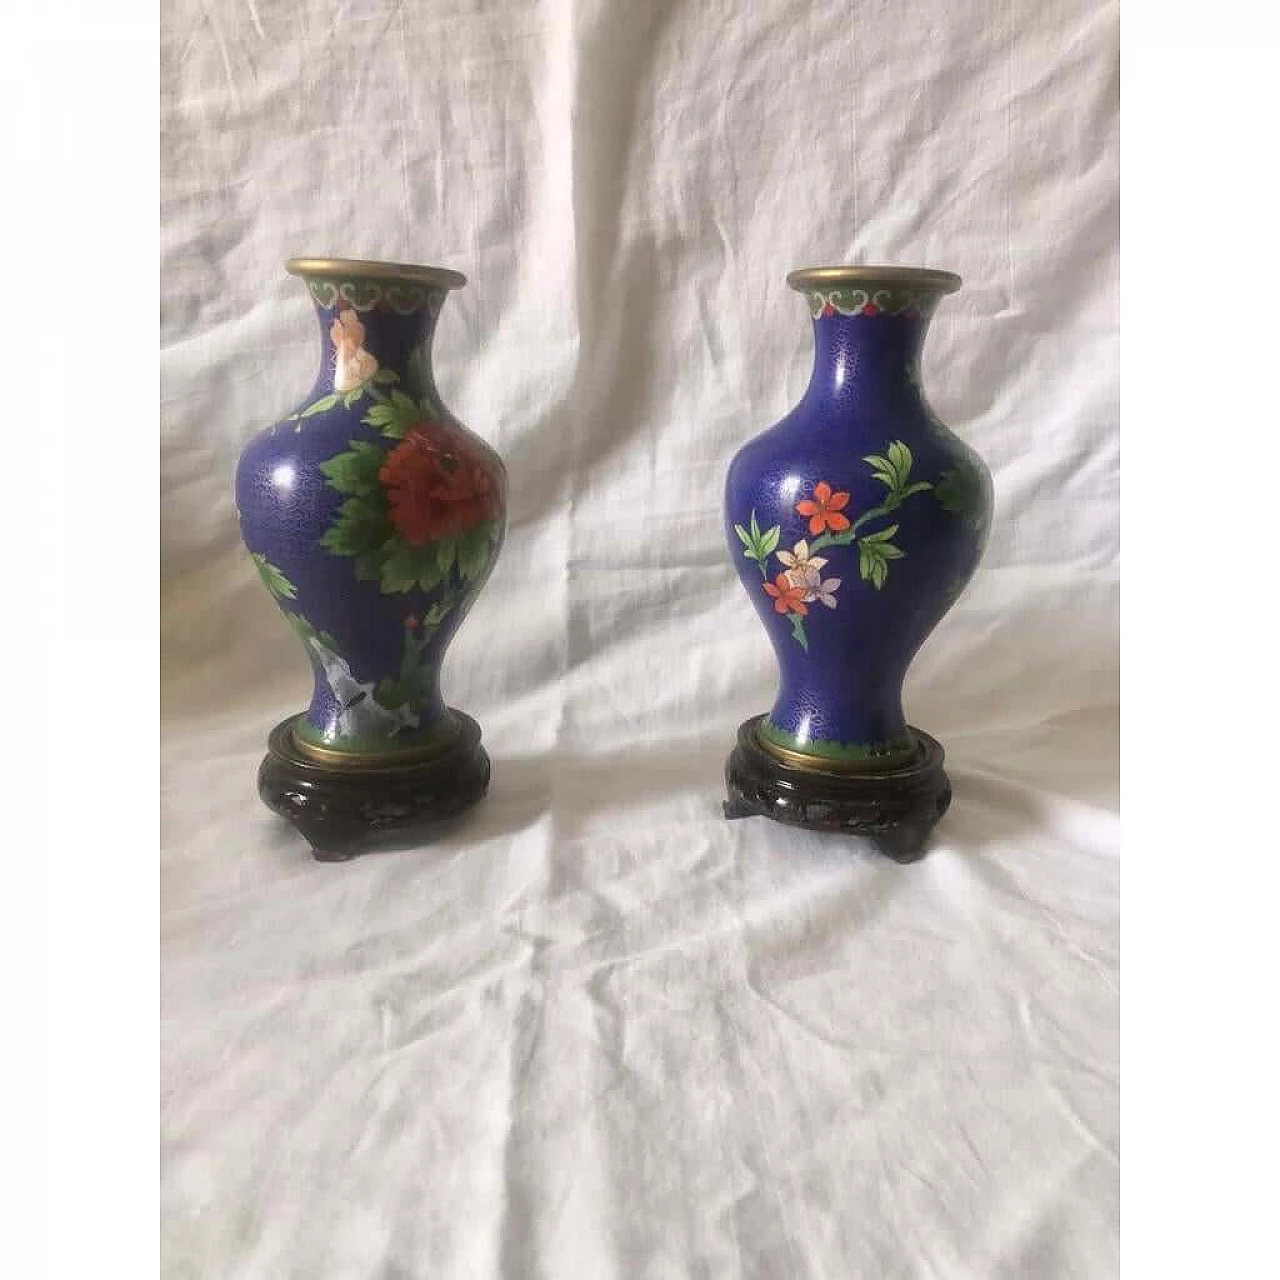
373, 517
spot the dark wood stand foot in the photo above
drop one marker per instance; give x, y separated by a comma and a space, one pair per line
897, 809
341, 812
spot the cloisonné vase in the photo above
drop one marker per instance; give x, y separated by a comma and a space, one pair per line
373, 517
854, 523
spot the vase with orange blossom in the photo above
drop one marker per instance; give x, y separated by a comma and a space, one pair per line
854, 524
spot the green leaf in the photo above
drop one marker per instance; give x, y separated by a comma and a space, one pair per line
797, 630
386, 376
273, 579
361, 526
320, 406
769, 543
418, 563
394, 417
391, 693
439, 612
755, 528
380, 416
355, 471
409, 660
873, 558
866, 558
881, 535
414, 640
743, 534
901, 459
369, 566
446, 552
399, 573
306, 633
961, 491
473, 551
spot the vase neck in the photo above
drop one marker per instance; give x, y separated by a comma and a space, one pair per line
374, 329
863, 358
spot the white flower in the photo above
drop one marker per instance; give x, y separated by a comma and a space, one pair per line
353, 365
815, 586
799, 562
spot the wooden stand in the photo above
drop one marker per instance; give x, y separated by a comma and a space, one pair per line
341, 811
897, 809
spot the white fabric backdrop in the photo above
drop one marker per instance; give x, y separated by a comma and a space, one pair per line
600, 1032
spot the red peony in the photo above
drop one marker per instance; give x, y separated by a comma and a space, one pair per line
438, 483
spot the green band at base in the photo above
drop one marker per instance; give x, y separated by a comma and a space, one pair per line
838, 757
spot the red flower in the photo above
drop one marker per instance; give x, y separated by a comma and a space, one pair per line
786, 595
824, 509
871, 309
828, 309
438, 483
411, 621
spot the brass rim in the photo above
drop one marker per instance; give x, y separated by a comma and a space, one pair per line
364, 269
821, 764
385, 760
870, 277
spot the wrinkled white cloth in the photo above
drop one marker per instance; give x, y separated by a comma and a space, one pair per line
599, 1031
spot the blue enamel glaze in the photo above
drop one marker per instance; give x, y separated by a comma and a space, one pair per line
841, 697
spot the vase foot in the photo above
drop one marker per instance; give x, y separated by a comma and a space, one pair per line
897, 809
342, 812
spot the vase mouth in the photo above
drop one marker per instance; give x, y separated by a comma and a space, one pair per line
366, 269
869, 277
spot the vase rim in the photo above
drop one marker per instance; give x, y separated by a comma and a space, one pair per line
367, 269
887, 277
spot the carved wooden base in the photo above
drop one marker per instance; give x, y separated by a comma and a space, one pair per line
341, 811
897, 809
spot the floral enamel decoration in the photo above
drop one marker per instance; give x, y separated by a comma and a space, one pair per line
830, 522
353, 365
825, 509
816, 587
799, 559
422, 515
788, 596
824, 303
357, 375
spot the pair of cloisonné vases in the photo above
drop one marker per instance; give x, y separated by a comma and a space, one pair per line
374, 518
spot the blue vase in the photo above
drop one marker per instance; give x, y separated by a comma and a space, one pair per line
373, 517
855, 523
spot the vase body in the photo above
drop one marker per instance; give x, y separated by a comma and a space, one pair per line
373, 516
855, 522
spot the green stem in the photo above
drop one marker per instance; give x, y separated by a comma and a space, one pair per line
885, 508
851, 533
